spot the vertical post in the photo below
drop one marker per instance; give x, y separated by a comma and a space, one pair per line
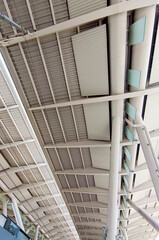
17, 214
148, 218
5, 205
113, 179
37, 232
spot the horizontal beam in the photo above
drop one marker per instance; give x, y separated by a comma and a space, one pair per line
91, 224
92, 231
81, 171
47, 208
97, 144
90, 215
78, 21
8, 108
20, 168
39, 198
98, 171
27, 186
15, 144
51, 217
127, 95
81, 144
94, 204
90, 190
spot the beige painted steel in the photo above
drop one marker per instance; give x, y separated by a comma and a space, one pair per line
89, 17
90, 50
78, 8
97, 121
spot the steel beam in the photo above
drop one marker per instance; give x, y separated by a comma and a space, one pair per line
113, 179
47, 208
21, 168
39, 198
17, 214
93, 204
86, 171
148, 218
90, 190
15, 144
27, 186
89, 17
127, 95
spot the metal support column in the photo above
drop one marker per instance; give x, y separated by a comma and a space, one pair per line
113, 179
5, 205
148, 218
37, 232
149, 153
17, 214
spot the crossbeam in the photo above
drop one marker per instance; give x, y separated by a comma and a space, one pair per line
15, 144
27, 186
20, 168
78, 21
127, 95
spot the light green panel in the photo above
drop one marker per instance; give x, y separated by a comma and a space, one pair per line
126, 168
125, 191
137, 32
133, 77
129, 134
130, 110
127, 153
126, 181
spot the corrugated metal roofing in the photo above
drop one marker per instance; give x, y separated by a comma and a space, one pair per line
45, 71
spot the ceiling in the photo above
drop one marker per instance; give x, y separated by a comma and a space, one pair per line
81, 65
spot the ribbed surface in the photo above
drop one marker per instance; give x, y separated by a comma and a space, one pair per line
77, 8
90, 49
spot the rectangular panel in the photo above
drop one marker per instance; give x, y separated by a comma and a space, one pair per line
130, 110
133, 77
137, 31
97, 121
100, 157
90, 50
129, 134
78, 8
155, 69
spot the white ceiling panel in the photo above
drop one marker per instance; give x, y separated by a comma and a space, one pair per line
155, 69
97, 121
90, 49
77, 8
100, 157
152, 114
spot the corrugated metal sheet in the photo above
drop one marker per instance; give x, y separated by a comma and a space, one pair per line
90, 49
77, 8
23, 75
61, 10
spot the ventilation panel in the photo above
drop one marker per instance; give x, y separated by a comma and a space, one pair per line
78, 8
90, 49
97, 121
100, 157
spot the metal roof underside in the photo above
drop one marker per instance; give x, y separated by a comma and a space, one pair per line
56, 119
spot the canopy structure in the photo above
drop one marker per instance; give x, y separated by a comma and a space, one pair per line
79, 118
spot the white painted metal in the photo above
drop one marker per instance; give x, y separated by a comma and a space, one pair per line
149, 153
97, 121
14, 144
90, 50
147, 217
5, 206
77, 8
17, 214
148, 91
36, 233
113, 179
98, 14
